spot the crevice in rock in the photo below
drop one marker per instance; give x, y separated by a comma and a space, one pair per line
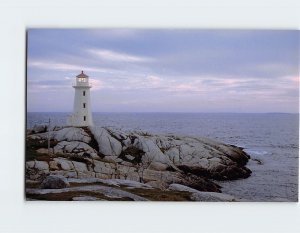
112, 135
93, 143
132, 138
133, 151
81, 159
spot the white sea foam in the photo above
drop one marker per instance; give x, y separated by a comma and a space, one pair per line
255, 152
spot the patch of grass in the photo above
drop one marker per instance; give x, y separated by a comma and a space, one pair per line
32, 154
33, 144
40, 143
161, 195
33, 184
198, 171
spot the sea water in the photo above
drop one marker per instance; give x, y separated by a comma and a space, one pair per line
270, 139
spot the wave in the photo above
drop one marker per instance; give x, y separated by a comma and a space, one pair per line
255, 152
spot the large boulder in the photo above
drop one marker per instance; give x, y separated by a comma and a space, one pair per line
65, 134
41, 165
71, 134
64, 164
154, 158
75, 147
200, 156
108, 145
55, 182
80, 167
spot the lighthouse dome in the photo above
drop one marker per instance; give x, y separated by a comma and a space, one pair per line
82, 75
82, 79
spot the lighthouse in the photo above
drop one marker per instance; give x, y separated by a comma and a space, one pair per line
82, 114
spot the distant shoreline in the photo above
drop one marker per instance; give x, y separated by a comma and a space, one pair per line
292, 113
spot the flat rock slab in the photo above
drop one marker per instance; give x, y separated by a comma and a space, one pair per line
107, 191
113, 182
202, 196
75, 147
86, 198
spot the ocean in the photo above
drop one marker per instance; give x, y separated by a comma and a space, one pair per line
272, 138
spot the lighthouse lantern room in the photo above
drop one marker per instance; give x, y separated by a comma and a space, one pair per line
82, 115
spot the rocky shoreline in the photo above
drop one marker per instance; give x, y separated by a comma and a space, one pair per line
104, 163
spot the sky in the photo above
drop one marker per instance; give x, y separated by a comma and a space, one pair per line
165, 70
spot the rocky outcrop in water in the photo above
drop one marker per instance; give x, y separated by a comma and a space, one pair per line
154, 160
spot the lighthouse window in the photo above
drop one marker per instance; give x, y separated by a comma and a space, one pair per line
83, 105
83, 93
84, 118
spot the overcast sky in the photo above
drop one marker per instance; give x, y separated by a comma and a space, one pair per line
165, 70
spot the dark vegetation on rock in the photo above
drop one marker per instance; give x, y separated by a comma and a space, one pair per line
200, 183
134, 152
221, 173
34, 144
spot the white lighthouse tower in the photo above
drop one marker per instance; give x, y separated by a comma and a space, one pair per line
82, 115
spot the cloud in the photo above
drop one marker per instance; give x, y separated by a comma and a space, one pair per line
154, 80
61, 84
49, 85
178, 67
294, 79
96, 84
50, 65
185, 88
117, 56
113, 34
62, 66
